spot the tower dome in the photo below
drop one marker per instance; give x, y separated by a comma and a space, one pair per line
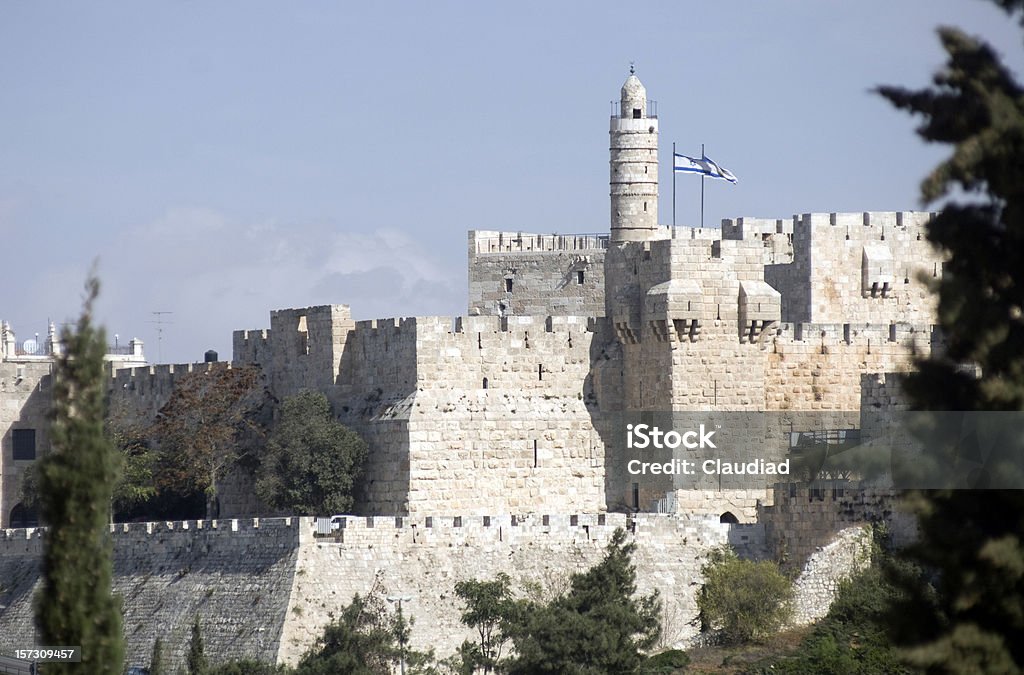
633, 101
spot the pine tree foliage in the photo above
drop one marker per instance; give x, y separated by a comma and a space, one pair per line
365, 640
76, 605
598, 626
971, 617
312, 462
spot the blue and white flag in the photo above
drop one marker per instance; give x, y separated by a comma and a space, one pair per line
703, 166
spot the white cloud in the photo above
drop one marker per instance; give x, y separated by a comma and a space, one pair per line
217, 274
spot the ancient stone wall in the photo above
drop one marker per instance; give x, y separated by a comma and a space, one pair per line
804, 518
859, 267
473, 413
516, 274
235, 575
265, 588
424, 557
25, 391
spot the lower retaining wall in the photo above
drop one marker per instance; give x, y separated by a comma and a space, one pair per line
265, 588
234, 574
410, 559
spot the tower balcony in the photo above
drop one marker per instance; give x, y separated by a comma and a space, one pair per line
652, 111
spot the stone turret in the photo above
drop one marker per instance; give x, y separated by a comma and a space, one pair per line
634, 166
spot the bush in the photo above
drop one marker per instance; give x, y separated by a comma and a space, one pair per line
747, 601
850, 640
666, 662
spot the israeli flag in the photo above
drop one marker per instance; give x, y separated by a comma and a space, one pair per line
703, 166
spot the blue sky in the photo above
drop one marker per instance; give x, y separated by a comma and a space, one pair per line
223, 159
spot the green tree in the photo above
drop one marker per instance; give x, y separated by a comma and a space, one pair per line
135, 487
76, 605
598, 626
28, 487
745, 600
156, 658
363, 641
196, 661
970, 618
311, 462
488, 605
211, 421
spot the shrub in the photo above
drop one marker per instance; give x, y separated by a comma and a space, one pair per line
747, 601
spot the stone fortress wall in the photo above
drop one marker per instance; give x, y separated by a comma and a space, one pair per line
236, 575
516, 274
25, 390
463, 413
265, 588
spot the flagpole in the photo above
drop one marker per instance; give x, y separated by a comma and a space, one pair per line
701, 189
673, 187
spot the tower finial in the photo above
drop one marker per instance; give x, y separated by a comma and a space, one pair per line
632, 68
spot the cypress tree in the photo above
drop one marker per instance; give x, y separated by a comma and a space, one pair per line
156, 660
76, 606
196, 662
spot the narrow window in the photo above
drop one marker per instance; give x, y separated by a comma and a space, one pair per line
540, 372
457, 522
636, 113
545, 520
535, 454
636, 496
508, 285
485, 383
487, 521
846, 333
645, 207
398, 521
574, 521
429, 521
600, 519
24, 443
579, 277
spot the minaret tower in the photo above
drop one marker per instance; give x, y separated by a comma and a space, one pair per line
634, 165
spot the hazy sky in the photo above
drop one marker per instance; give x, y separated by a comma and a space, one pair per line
223, 159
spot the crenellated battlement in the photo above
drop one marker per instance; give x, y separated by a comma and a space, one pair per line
157, 380
801, 224
251, 346
424, 326
853, 333
31, 541
510, 529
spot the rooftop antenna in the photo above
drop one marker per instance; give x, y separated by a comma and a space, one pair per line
160, 322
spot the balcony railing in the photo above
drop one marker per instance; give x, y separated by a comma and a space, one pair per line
507, 243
